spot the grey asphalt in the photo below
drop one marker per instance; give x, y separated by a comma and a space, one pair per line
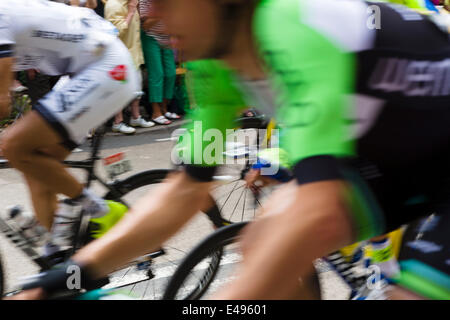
148, 149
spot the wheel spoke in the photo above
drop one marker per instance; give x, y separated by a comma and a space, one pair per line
173, 248
237, 203
243, 207
229, 196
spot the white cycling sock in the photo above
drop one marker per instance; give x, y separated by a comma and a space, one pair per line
93, 204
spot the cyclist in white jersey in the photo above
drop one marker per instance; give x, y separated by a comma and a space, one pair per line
60, 40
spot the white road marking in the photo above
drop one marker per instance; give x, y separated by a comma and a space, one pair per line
167, 139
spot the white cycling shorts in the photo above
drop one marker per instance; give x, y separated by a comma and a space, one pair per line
92, 96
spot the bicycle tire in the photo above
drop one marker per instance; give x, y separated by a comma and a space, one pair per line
157, 176
215, 243
135, 181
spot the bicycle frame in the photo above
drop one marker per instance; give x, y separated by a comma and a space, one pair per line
114, 189
17, 237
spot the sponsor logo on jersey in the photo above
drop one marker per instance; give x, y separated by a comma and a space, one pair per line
66, 37
119, 73
31, 60
78, 89
27, 61
78, 114
413, 78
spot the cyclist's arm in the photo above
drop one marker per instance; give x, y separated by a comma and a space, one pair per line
5, 84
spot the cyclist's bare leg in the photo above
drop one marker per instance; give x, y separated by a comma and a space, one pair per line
44, 202
302, 224
150, 222
21, 144
43, 198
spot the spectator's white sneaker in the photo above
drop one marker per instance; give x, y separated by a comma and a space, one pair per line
162, 120
172, 115
140, 122
123, 128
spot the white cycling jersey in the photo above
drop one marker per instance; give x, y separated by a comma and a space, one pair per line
58, 39
52, 37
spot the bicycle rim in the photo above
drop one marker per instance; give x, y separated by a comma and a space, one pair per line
165, 264
235, 201
222, 241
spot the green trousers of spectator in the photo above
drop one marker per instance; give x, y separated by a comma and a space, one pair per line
161, 69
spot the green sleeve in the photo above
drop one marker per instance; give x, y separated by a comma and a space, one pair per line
312, 78
215, 105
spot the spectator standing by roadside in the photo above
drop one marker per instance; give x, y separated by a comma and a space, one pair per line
125, 17
160, 63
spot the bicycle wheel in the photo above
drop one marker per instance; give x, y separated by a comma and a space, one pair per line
196, 260
235, 201
160, 265
223, 242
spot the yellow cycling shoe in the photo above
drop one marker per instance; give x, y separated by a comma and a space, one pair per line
99, 226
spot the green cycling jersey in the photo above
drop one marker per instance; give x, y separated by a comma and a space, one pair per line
310, 104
